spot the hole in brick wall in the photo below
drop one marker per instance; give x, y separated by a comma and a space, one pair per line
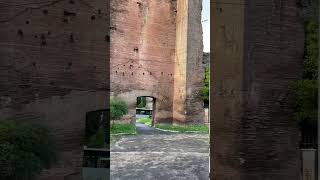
51, 83
170, 74
20, 33
132, 74
123, 74
33, 64
71, 38
27, 22
93, 17
95, 67
131, 66
150, 73
43, 37
71, 2
36, 36
113, 28
136, 49
49, 33
124, 65
116, 72
45, 12
161, 73
70, 64
65, 20
107, 38
142, 73
99, 11
43, 42
68, 13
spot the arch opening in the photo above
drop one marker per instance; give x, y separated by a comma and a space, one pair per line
146, 109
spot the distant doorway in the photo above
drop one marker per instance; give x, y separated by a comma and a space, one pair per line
145, 110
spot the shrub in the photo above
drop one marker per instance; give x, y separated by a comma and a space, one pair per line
24, 150
118, 108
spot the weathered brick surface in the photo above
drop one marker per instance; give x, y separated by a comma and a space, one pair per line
145, 39
54, 69
142, 52
257, 58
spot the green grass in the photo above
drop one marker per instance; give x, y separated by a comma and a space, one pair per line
123, 129
146, 121
188, 128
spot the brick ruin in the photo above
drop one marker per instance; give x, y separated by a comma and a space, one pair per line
54, 69
156, 51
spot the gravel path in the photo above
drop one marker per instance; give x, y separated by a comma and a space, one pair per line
158, 155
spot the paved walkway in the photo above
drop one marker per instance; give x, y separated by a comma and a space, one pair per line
158, 155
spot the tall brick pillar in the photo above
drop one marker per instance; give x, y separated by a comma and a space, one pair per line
257, 51
188, 68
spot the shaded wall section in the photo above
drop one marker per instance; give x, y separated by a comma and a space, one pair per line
54, 69
257, 52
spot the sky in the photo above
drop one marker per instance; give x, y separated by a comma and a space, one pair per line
206, 25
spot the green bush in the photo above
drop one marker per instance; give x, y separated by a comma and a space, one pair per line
118, 108
24, 150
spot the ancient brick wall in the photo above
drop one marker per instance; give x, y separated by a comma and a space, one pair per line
54, 69
257, 60
142, 52
146, 36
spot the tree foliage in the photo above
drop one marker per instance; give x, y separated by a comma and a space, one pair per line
307, 89
206, 89
118, 108
311, 50
24, 150
141, 102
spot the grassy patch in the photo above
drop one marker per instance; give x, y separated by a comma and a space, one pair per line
188, 128
123, 129
146, 121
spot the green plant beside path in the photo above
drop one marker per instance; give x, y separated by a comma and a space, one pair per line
188, 128
128, 129
24, 150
